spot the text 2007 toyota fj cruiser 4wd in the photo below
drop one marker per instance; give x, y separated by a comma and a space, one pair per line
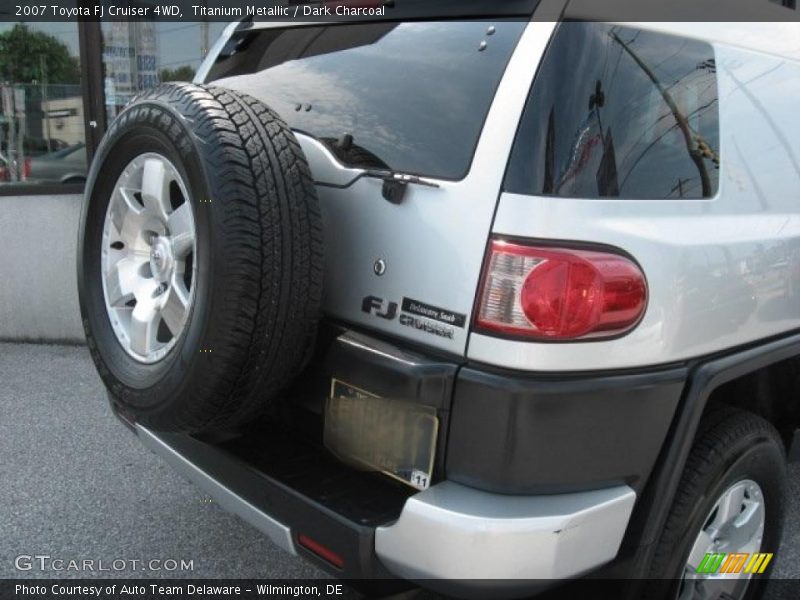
469, 303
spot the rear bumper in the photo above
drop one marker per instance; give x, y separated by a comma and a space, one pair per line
457, 533
512, 432
461, 536
228, 498
535, 477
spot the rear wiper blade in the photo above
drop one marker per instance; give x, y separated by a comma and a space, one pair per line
395, 183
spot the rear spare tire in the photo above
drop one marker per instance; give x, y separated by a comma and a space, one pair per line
199, 258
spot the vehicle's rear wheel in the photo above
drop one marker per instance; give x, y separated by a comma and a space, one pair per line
728, 509
200, 258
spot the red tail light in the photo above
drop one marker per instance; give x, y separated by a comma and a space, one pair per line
559, 294
26, 169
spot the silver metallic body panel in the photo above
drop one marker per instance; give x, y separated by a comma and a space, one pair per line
721, 272
433, 243
456, 532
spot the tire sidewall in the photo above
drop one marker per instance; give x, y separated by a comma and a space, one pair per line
756, 458
143, 127
258, 259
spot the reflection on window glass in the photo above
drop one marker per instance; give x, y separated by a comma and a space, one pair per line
411, 97
41, 105
138, 55
620, 112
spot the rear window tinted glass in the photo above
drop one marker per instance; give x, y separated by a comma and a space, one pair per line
410, 97
619, 112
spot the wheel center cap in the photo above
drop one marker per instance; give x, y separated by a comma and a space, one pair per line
161, 259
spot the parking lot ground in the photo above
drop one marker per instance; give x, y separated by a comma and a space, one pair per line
76, 484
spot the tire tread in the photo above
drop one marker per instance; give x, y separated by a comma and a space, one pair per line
268, 232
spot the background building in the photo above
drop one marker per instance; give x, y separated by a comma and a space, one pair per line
60, 85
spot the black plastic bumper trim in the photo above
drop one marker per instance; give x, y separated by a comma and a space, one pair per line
277, 507
528, 434
705, 376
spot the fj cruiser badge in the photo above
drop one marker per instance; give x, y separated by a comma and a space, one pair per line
416, 314
434, 312
379, 307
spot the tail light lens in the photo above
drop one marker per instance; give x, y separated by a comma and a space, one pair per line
26, 169
559, 294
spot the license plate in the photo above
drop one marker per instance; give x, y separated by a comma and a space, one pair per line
395, 437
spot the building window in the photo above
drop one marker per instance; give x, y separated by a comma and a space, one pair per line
42, 125
138, 55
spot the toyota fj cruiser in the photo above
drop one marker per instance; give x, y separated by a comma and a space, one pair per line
470, 303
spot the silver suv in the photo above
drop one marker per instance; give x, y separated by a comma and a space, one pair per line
472, 304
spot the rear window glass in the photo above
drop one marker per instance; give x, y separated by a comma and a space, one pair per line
619, 112
409, 97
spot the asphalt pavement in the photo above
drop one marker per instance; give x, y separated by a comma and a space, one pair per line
76, 485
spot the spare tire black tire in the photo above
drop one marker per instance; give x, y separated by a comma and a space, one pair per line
255, 279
